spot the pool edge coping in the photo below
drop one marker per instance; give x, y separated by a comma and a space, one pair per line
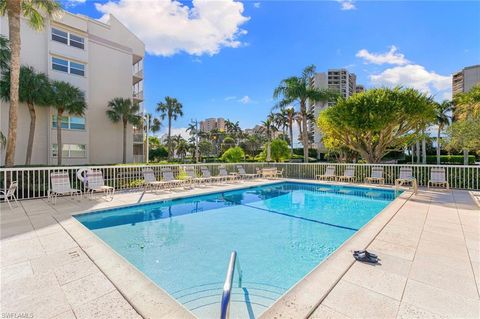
145, 296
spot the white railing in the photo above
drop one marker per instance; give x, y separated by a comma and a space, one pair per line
34, 182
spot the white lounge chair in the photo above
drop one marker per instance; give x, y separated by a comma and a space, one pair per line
10, 194
348, 174
150, 181
437, 178
192, 176
206, 174
170, 179
329, 174
377, 176
406, 178
60, 185
96, 184
222, 171
279, 173
244, 174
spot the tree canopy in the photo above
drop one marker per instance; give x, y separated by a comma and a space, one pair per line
377, 121
233, 155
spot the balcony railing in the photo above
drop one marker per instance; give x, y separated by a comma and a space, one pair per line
138, 138
34, 182
138, 95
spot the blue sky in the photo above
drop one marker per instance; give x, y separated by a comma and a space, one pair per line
223, 59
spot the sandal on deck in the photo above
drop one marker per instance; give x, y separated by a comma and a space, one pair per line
366, 257
369, 254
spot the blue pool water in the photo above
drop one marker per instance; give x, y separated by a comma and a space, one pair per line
280, 231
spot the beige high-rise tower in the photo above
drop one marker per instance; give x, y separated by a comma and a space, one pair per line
104, 60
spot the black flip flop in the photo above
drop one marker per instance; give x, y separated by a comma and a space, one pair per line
364, 257
366, 252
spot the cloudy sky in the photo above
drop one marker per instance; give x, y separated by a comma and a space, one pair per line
224, 58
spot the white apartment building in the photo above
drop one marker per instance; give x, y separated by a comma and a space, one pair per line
104, 60
338, 80
212, 123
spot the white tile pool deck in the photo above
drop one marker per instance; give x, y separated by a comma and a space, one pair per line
429, 250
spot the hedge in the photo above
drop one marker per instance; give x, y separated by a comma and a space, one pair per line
444, 159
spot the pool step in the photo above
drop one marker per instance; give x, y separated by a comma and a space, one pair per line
249, 301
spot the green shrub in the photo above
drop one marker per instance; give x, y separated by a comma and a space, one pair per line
444, 159
158, 153
233, 155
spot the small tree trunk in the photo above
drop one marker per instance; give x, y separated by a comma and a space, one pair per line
291, 138
438, 145
305, 132
124, 141
417, 149
13, 12
169, 139
424, 151
59, 137
465, 157
31, 133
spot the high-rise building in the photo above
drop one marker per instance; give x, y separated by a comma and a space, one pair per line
104, 60
212, 123
359, 88
464, 80
338, 80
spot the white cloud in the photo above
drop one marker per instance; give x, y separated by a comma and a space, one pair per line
415, 76
230, 98
168, 27
245, 100
390, 57
175, 131
257, 5
347, 4
73, 3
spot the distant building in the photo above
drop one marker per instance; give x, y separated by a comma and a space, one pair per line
464, 80
338, 80
212, 123
359, 88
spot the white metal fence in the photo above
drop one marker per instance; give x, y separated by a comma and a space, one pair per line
34, 182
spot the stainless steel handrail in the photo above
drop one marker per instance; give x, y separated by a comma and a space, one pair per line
227, 287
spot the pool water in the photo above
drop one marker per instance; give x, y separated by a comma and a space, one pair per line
280, 232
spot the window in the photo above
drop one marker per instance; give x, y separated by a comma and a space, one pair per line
70, 150
59, 36
70, 122
68, 38
68, 66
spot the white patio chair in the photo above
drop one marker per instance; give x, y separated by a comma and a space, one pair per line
96, 184
348, 175
9, 194
60, 185
437, 178
244, 174
329, 174
377, 176
406, 178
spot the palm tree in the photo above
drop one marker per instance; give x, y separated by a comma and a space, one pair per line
35, 12
66, 98
299, 90
181, 146
268, 127
442, 114
34, 90
126, 111
290, 114
153, 125
170, 109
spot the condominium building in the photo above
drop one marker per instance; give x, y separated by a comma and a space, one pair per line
339, 80
104, 60
212, 123
464, 80
359, 88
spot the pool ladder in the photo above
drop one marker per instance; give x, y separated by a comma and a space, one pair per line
227, 286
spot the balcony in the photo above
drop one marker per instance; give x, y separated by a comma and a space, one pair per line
138, 96
137, 76
138, 138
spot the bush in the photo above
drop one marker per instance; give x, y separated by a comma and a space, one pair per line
279, 150
157, 154
312, 152
444, 159
233, 155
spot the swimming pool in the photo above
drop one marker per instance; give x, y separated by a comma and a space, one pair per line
280, 232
